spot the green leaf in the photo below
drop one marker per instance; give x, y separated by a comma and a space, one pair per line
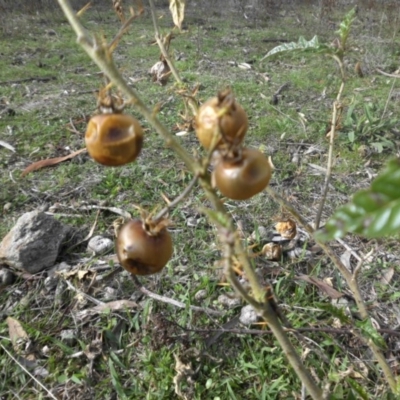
345, 25
302, 44
369, 332
231, 393
368, 109
378, 146
115, 381
358, 389
334, 311
216, 217
374, 212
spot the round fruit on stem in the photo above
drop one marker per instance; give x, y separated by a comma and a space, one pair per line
221, 115
243, 176
141, 251
114, 139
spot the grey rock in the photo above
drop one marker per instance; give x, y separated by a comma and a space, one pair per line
62, 266
248, 315
7, 277
34, 243
201, 295
100, 245
51, 282
261, 235
68, 336
229, 302
109, 293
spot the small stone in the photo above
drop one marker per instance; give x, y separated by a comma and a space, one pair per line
34, 243
63, 266
61, 293
193, 221
229, 302
261, 235
109, 293
41, 372
7, 207
50, 283
248, 315
46, 351
201, 295
100, 245
68, 336
7, 277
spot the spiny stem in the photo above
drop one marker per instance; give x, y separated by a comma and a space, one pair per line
350, 280
332, 134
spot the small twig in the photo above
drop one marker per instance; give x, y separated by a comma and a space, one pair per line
360, 263
26, 371
160, 44
388, 99
38, 79
178, 199
123, 29
390, 332
351, 282
281, 88
282, 113
86, 296
337, 107
389, 75
191, 101
173, 302
348, 248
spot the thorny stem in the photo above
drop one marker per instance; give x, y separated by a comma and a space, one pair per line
192, 103
178, 199
332, 134
101, 56
263, 306
351, 280
173, 302
122, 31
161, 46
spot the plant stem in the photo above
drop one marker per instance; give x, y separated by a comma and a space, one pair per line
161, 46
271, 318
351, 281
191, 101
262, 305
99, 53
332, 134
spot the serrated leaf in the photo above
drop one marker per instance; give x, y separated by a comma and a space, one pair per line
116, 381
301, 45
216, 217
336, 312
369, 332
359, 389
345, 25
177, 8
374, 212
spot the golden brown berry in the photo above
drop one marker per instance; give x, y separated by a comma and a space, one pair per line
141, 251
114, 139
244, 176
221, 116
